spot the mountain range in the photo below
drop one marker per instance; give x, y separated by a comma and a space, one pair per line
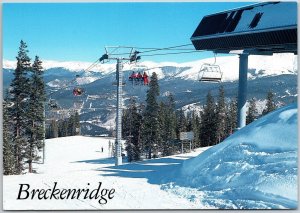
277, 73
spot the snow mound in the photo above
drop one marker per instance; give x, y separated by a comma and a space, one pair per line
254, 168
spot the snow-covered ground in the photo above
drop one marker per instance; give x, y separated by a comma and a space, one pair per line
254, 168
73, 162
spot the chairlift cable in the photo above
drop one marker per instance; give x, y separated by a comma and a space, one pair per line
166, 48
176, 53
151, 49
182, 49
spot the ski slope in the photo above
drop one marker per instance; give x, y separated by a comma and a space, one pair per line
254, 168
75, 161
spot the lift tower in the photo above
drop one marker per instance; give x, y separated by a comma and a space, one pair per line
132, 57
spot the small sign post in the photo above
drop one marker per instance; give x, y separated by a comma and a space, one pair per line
189, 136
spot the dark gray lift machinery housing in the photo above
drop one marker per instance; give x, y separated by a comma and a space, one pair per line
259, 29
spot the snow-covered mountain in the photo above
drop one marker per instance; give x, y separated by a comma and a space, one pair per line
259, 66
73, 66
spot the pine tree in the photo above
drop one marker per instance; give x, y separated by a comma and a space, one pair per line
151, 131
127, 133
221, 116
168, 125
35, 129
182, 122
64, 128
132, 131
252, 111
196, 129
162, 124
208, 125
18, 112
231, 118
54, 129
71, 126
8, 156
270, 106
77, 123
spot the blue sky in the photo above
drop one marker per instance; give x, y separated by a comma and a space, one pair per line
79, 31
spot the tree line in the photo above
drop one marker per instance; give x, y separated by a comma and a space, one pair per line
154, 129
23, 114
64, 127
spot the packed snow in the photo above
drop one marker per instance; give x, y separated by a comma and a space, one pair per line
254, 168
75, 161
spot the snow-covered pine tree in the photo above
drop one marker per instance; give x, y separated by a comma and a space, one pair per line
18, 112
8, 155
221, 116
252, 111
208, 129
37, 97
270, 105
151, 131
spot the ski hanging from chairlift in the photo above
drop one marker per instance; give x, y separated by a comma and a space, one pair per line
210, 72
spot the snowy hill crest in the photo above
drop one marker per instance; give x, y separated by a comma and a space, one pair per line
259, 66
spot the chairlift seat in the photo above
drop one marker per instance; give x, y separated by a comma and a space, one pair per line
210, 73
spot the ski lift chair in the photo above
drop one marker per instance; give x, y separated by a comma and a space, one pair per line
210, 73
77, 91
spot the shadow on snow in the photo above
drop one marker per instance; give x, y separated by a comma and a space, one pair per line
157, 171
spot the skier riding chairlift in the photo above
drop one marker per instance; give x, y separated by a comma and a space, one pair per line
145, 78
139, 78
133, 76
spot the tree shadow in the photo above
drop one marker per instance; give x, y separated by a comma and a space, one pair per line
156, 171
97, 161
